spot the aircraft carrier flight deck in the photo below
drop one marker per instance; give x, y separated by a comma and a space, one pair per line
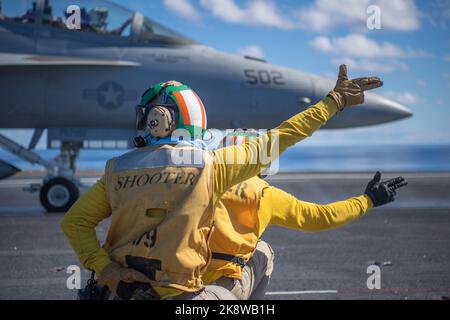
408, 240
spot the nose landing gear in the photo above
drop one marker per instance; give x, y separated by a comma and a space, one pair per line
60, 187
58, 194
61, 190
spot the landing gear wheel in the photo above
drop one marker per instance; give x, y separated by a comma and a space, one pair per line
58, 194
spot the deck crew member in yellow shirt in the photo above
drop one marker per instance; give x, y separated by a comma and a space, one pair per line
162, 208
241, 262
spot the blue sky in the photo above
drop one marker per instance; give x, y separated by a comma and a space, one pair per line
410, 51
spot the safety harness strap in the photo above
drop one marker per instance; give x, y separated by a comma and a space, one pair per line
228, 257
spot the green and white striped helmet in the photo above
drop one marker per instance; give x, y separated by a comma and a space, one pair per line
188, 110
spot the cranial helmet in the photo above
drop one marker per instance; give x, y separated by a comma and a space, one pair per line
170, 105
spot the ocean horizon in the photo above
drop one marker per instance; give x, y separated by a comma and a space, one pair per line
341, 158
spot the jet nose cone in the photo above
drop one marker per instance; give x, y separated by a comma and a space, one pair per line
392, 110
375, 110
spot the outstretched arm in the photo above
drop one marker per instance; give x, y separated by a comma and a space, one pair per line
235, 164
281, 208
238, 163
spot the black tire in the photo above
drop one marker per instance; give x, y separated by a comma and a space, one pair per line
58, 194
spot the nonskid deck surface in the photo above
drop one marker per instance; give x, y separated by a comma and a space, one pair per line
408, 240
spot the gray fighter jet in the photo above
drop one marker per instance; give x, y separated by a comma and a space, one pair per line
82, 84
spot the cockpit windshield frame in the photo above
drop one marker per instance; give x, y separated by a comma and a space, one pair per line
141, 30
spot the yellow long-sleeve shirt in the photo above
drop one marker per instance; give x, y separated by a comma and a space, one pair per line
248, 209
80, 221
282, 209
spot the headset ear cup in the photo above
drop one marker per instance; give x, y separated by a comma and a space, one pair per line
160, 122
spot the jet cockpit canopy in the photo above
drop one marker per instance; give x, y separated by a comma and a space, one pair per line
98, 16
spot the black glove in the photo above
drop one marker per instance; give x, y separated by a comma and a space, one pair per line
383, 192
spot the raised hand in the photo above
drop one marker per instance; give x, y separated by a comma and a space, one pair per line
351, 92
383, 192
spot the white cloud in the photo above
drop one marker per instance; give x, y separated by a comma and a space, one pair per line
322, 44
370, 65
405, 97
447, 58
363, 54
325, 15
256, 12
359, 45
321, 16
183, 8
252, 51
